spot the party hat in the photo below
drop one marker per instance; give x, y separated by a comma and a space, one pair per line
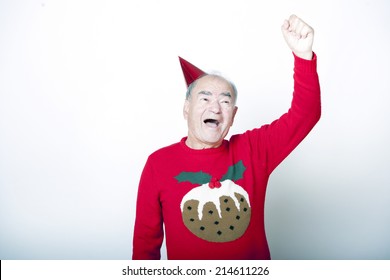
190, 71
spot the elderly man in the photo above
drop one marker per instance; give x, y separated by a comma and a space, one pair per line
209, 192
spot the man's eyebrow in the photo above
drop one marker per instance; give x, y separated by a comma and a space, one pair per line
205, 92
228, 94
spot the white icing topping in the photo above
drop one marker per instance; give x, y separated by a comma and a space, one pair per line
206, 194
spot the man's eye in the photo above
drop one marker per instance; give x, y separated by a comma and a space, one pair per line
205, 99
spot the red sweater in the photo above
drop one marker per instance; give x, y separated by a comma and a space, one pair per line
211, 201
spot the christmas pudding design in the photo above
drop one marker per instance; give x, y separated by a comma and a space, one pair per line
217, 210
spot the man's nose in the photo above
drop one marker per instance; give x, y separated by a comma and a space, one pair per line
215, 107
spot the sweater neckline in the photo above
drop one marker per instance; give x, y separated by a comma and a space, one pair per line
207, 151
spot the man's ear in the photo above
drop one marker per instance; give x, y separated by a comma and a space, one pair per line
186, 109
234, 114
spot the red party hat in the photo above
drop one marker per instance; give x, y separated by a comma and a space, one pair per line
190, 71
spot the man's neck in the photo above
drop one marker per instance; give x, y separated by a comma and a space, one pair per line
201, 145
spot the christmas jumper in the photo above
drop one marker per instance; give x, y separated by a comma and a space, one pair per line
210, 202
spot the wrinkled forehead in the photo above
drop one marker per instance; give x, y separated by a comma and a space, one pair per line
214, 84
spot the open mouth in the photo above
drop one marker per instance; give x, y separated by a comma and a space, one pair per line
211, 123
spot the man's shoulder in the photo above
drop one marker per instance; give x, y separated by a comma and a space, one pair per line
166, 150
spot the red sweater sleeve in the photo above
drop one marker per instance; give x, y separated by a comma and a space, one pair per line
278, 139
148, 229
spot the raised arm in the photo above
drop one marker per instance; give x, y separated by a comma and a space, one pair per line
277, 140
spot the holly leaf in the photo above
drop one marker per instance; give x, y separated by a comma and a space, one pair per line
199, 178
235, 172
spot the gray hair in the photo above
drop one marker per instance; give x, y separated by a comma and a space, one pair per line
233, 86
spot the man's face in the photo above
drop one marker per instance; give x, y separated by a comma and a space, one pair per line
209, 112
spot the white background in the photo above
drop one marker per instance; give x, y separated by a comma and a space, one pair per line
88, 89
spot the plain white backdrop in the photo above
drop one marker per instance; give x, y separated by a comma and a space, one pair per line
88, 89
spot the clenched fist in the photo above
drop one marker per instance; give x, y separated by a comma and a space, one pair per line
299, 37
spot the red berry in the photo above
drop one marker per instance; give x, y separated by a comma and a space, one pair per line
214, 183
